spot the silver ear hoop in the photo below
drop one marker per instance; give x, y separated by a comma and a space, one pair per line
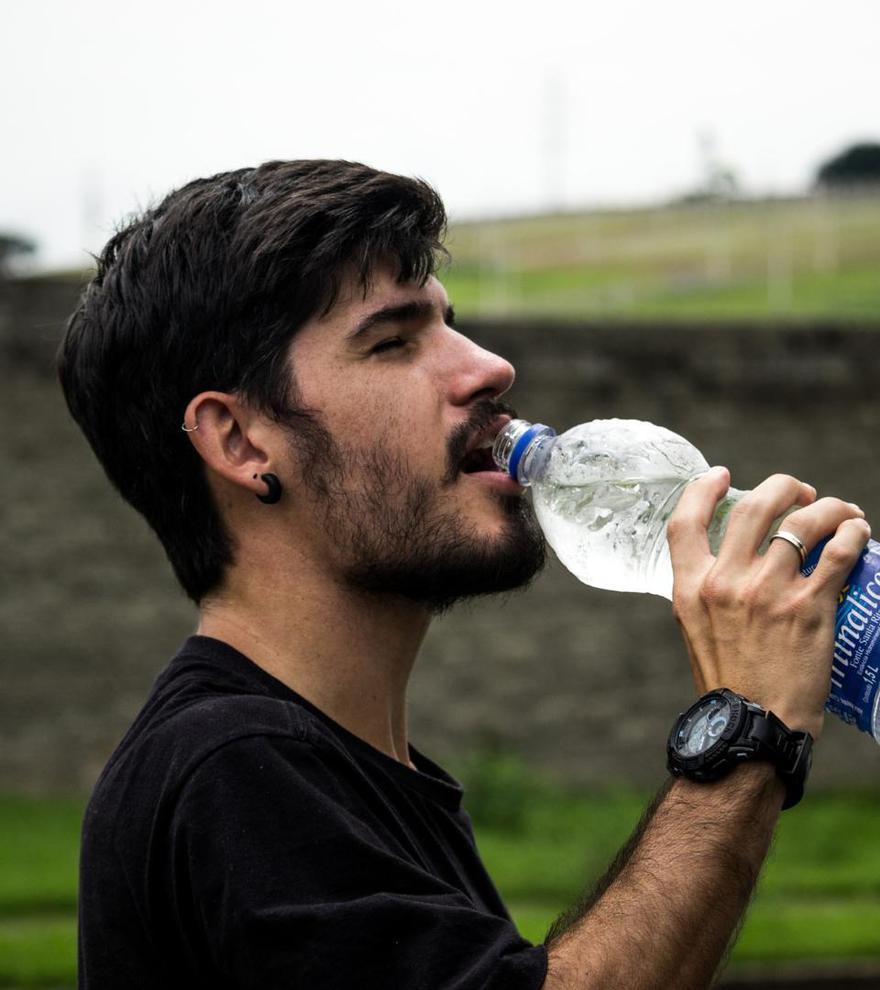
189, 429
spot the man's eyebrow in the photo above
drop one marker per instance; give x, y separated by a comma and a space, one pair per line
402, 313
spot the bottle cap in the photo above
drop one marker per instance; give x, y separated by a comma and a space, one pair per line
513, 441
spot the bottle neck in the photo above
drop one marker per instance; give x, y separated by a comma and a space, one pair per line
522, 450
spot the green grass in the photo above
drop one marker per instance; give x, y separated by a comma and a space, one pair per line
810, 258
774, 932
819, 897
39, 851
38, 951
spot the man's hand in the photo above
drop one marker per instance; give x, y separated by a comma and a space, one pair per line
665, 911
752, 622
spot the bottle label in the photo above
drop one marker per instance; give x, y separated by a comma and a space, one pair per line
856, 659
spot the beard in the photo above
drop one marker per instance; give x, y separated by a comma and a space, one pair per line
402, 535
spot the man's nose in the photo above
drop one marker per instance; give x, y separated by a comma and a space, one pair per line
481, 373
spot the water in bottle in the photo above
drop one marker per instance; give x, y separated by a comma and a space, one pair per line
603, 493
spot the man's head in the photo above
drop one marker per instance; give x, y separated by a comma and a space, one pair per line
236, 301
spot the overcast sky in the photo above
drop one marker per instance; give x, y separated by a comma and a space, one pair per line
107, 103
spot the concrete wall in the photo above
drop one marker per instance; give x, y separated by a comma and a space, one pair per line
581, 682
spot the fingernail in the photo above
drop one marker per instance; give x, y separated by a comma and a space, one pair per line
718, 470
857, 508
811, 488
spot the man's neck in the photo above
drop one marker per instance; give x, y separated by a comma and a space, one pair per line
349, 654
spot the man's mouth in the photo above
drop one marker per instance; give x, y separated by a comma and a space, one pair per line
478, 456
478, 460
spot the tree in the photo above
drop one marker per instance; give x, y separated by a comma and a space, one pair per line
857, 165
12, 245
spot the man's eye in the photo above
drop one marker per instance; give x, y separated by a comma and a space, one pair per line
389, 345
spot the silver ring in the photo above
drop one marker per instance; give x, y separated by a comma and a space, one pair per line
795, 541
189, 429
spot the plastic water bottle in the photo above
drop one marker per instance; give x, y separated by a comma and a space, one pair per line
603, 493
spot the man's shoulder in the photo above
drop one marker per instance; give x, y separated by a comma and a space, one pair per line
237, 723
216, 719
167, 744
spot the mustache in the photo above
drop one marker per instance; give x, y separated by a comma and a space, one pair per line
482, 414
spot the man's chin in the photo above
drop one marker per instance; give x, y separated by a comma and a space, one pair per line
453, 567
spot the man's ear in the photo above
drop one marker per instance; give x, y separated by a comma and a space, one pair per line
230, 438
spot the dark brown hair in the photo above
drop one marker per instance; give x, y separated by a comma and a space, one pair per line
205, 291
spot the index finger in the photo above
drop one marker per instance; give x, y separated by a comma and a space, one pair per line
686, 531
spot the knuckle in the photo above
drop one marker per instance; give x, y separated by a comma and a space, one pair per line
767, 494
777, 483
827, 511
837, 504
756, 596
809, 613
716, 590
830, 505
798, 521
857, 526
746, 506
785, 480
837, 555
761, 597
684, 599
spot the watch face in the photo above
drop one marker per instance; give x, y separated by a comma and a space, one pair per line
703, 727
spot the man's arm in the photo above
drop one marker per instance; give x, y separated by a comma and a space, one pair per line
666, 911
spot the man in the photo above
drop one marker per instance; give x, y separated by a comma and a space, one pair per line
269, 371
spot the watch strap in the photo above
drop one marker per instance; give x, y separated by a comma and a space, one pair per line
789, 750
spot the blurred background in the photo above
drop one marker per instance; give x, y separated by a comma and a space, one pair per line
667, 212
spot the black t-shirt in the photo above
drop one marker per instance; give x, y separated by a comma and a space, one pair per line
238, 837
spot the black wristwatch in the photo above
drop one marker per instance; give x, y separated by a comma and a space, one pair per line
723, 729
